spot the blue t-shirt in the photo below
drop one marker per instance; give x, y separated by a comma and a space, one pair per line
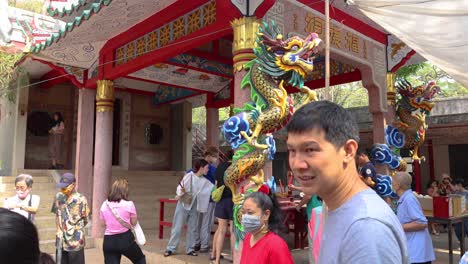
363, 230
420, 247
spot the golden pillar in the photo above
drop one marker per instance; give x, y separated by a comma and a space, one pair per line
245, 33
391, 94
105, 96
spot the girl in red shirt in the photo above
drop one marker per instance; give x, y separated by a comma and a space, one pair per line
261, 219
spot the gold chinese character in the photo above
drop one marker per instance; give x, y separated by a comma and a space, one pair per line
295, 22
336, 37
314, 24
352, 42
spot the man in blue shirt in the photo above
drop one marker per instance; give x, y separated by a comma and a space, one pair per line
414, 223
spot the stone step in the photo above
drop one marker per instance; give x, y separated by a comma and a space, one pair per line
37, 179
47, 233
45, 221
37, 187
48, 246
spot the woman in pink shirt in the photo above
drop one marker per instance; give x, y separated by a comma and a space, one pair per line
118, 238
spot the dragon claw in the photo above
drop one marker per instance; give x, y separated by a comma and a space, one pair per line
252, 140
311, 95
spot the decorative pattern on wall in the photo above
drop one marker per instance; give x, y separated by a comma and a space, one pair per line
162, 36
75, 71
93, 70
118, 16
170, 74
225, 93
204, 64
166, 94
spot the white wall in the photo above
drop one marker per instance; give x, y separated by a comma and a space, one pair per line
441, 160
7, 131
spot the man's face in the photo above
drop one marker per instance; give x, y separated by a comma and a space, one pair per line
361, 159
315, 162
211, 159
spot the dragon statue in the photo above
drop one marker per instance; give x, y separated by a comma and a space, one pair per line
408, 132
412, 108
278, 61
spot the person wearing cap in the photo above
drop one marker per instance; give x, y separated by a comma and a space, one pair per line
72, 212
446, 186
24, 202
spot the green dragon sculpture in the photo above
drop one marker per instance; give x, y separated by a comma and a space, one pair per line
278, 61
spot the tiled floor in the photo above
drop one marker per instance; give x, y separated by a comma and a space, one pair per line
155, 248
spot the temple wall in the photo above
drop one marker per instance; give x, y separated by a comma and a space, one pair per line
142, 154
7, 130
59, 98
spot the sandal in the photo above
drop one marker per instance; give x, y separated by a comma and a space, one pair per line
192, 253
214, 258
167, 253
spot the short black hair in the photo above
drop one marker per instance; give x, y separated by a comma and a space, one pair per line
362, 151
335, 121
459, 181
19, 241
269, 202
200, 163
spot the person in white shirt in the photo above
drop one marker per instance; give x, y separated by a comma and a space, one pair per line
187, 209
23, 203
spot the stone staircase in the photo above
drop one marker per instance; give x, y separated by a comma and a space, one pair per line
44, 186
146, 188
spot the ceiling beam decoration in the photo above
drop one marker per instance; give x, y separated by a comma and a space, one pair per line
189, 23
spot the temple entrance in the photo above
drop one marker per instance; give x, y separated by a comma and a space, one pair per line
116, 133
458, 157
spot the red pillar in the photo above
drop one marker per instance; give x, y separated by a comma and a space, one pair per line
84, 143
430, 149
245, 30
102, 151
417, 176
212, 127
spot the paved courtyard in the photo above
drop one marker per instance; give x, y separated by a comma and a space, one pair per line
155, 249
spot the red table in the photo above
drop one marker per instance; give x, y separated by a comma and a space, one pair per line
163, 223
295, 218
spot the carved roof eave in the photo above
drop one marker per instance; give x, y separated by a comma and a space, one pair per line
70, 26
65, 12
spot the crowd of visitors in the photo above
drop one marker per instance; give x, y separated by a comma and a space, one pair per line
348, 221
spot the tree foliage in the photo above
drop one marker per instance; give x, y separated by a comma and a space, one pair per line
424, 72
7, 75
35, 6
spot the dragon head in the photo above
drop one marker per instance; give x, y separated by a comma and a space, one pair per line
420, 97
290, 58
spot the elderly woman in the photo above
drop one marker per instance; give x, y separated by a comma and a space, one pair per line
414, 223
23, 203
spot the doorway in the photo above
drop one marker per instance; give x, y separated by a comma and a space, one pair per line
116, 133
458, 158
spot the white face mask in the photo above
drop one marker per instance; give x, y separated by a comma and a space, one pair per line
23, 194
251, 223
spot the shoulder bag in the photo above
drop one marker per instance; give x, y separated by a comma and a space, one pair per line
187, 197
137, 231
